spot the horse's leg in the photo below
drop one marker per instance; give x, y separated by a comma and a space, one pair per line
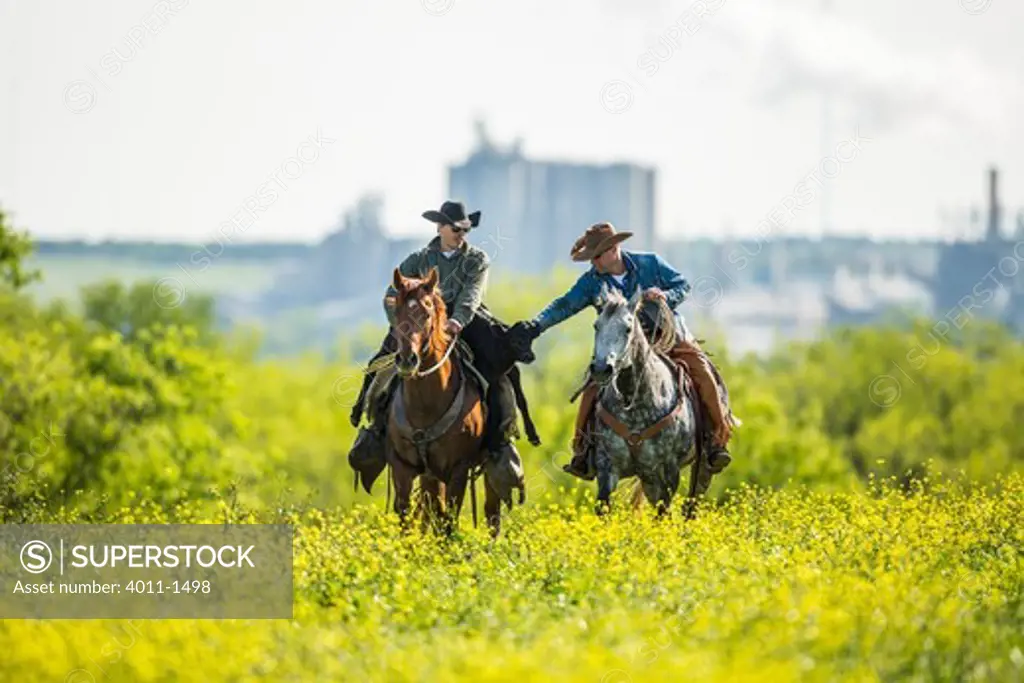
606, 483
515, 378
671, 484
607, 478
455, 489
690, 504
700, 480
704, 476
433, 510
654, 491
403, 476
492, 509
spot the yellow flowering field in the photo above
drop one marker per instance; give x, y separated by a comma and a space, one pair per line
889, 584
869, 528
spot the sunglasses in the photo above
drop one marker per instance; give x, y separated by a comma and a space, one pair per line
457, 229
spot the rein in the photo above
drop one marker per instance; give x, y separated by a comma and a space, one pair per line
436, 366
388, 360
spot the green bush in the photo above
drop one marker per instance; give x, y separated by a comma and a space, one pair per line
135, 401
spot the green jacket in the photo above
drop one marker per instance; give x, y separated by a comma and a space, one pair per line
463, 278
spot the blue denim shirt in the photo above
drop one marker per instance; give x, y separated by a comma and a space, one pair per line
643, 270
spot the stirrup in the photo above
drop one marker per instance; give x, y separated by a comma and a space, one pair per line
718, 459
496, 452
572, 468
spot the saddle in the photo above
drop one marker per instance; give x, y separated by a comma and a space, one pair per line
634, 439
591, 411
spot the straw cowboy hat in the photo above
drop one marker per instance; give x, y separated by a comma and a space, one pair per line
453, 213
598, 238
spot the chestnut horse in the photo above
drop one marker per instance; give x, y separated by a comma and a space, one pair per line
437, 417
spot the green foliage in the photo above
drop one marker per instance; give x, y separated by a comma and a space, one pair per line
15, 248
892, 399
89, 411
130, 310
807, 568
124, 395
151, 403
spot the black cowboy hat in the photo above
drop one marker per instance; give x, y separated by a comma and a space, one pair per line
453, 213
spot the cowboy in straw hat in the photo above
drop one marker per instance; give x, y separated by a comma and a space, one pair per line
462, 278
614, 267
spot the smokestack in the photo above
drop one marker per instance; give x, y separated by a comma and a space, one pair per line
994, 210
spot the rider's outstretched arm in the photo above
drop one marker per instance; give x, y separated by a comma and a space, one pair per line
582, 294
672, 282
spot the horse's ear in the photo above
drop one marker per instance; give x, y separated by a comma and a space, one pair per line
634, 300
398, 279
431, 281
602, 297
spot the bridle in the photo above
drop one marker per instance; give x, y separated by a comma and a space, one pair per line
634, 331
417, 373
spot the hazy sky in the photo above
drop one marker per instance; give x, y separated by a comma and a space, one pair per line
132, 118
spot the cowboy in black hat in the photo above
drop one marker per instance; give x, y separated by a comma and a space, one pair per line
462, 276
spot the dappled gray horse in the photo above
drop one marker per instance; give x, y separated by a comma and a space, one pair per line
647, 425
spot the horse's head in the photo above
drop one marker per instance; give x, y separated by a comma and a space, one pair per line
616, 330
420, 319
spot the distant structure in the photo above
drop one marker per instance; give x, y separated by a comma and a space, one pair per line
354, 261
540, 207
977, 276
984, 273
995, 210
533, 210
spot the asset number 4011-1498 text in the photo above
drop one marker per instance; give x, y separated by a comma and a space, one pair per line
168, 587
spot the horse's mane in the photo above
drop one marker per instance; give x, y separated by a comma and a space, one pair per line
611, 300
439, 338
610, 297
